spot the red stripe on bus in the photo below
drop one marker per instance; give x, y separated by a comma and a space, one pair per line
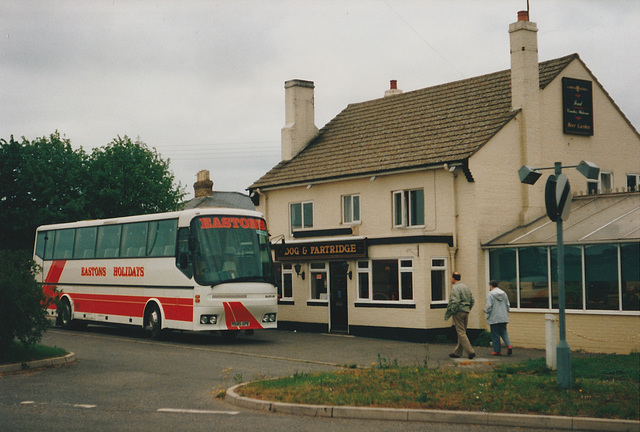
53, 277
236, 312
177, 309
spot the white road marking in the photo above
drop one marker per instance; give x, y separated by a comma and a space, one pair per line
195, 411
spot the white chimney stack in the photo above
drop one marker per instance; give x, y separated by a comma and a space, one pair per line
299, 126
525, 96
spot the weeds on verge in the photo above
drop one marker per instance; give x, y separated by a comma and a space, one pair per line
603, 387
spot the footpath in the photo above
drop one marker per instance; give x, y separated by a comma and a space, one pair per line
345, 351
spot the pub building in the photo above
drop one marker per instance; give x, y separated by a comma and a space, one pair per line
371, 214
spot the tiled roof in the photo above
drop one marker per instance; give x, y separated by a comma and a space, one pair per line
222, 199
444, 123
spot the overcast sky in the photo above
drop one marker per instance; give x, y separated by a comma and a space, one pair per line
203, 81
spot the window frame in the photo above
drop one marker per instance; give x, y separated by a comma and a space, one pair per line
445, 271
636, 178
353, 209
588, 274
286, 268
314, 268
601, 182
304, 222
406, 216
402, 269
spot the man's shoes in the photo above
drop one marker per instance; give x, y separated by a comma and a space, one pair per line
509, 350
496, 353
454, 355
472, 356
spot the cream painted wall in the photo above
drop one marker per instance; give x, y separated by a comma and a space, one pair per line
375, 204
474, 212
615, 146
597, 333
376, 221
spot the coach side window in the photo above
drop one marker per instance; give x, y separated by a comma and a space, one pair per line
85, 243
162, 238
134, 240
108, 241
63, 247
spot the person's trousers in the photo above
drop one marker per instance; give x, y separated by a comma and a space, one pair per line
460, 320
499, 331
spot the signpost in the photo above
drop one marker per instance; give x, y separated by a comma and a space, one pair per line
557, 197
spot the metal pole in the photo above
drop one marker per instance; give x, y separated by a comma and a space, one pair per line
563, 352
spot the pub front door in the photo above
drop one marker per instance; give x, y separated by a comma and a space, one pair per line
339, 322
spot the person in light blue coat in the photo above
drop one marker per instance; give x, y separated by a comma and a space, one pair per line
497, 315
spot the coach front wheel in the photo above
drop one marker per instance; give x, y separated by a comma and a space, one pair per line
153, 322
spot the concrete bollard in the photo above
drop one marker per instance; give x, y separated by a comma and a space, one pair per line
551, 343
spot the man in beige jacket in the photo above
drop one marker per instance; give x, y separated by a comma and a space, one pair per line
460, 304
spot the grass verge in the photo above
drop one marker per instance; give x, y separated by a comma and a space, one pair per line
605, 386
19, 353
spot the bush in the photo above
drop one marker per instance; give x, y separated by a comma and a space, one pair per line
483, 339
23, 314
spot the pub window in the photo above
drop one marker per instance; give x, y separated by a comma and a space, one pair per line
301, 215
364, 280
285, 288
318, 281
502, 267
630, 272
572, 277
601, 276
605, 183
534, 280
385, 280
438, 280
350, 209
408, 208
633, 182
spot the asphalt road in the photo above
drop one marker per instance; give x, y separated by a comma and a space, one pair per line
122, 381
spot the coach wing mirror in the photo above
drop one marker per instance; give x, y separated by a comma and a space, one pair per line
184, 260
192, 244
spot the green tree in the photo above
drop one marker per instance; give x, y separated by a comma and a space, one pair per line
127, 178
23, 306
40, 183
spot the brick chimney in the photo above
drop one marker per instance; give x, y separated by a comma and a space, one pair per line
525, 95
204, 186
299, 126
393, 89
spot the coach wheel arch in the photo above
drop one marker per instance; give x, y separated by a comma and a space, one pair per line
153, 320
64, 313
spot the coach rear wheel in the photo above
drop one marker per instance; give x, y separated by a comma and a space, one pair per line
64, 314
153, 323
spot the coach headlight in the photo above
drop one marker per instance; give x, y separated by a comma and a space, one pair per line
208, 319
270, 317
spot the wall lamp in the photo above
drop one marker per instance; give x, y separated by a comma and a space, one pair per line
345, 267
297, 267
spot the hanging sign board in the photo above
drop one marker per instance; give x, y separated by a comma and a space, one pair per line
321, 250
577, 105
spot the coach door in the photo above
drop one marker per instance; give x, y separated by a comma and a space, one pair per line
338, 297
